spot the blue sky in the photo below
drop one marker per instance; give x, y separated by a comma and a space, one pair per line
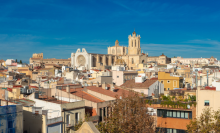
187, 28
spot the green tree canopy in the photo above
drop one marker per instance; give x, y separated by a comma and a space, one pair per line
208, 121
128, 115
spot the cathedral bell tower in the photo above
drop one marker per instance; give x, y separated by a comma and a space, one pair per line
134, 47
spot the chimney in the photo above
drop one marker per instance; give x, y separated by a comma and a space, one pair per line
104, 85
67, 88
91, 83
112, 87
97, 84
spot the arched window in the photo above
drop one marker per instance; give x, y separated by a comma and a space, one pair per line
135, 43
132, 43
132, 60
142, 61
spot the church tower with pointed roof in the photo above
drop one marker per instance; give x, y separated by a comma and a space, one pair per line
134, 47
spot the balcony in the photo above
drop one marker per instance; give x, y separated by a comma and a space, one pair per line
54, 120
70, 124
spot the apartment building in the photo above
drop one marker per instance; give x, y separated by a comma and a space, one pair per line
149, 87
170, 81
11, 119
119, 77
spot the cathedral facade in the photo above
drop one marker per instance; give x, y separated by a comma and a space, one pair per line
130, 56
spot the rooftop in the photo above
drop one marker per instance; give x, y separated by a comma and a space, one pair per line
51, 99
146, 84
117, 91
84, 95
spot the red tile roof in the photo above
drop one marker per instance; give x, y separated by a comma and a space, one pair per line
210, 88
80, 93
146, 84
9, 89
118, 91
17, 85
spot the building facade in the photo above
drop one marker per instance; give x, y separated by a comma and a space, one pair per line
170, 81
38, 60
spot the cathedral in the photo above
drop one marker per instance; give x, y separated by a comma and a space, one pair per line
130, 57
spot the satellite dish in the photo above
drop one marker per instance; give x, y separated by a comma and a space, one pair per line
188, 106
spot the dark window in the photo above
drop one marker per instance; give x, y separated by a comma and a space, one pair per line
169, 130
190, 115
174, 114
77, 117
206, 102
10, 124
104, 114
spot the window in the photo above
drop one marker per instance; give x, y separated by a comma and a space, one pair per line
169, 130
182, 114
178, 114
68, 119
117, 76
174, 114
186, 115
10, 124
168, 81
168, 88
190, 115
161, 82
132, 61
170, 113
175, 83
77, 117
206, 102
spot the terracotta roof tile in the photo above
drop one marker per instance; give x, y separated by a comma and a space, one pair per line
146, 84
80, 93
118, 91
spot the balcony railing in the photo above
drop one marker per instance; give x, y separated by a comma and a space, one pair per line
70, 124
54, 120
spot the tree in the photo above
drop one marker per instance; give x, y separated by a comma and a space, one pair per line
16, 60
208, 121
20, 61
127, 115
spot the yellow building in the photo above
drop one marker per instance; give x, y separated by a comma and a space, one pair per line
14, 93
25, 70
170, 81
